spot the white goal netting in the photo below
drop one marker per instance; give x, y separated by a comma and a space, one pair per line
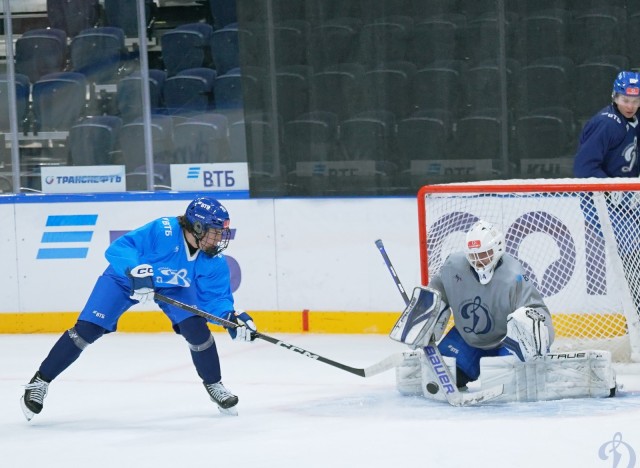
579, 241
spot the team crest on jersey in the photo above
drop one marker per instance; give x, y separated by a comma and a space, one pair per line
477, 318
174, 277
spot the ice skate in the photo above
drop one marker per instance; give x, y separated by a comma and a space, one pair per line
222, 397
34, 392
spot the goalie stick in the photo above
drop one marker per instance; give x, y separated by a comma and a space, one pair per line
386, 364
434, 358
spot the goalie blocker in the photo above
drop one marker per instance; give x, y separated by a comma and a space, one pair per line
581, 374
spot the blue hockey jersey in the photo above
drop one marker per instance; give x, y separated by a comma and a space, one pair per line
608, 146
161, 244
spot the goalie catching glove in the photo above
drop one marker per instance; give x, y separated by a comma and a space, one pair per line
527, 334
142, 287
246, 329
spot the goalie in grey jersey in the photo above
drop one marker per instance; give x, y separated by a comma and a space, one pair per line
502, 334
497, 310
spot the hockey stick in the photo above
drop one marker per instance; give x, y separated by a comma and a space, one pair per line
438, 366
392, 270
388, 363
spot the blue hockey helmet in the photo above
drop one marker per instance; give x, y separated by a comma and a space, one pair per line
208, 221
626, 83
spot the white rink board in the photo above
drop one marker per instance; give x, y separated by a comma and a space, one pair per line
293, 254
9, 270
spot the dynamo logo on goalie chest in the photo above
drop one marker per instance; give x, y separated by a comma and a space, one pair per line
66, 237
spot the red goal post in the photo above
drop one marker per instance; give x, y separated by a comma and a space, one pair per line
578, 240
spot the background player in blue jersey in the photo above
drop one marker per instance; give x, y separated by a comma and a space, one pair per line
179, 256
608, 145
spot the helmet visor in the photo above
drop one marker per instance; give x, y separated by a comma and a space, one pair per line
214, 241
480, 260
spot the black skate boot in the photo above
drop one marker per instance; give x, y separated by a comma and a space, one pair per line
33, 398
222, 397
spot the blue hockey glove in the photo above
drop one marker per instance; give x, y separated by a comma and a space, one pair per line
246, 330
142, 287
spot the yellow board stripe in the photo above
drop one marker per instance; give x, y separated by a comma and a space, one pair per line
566, 325
267, 321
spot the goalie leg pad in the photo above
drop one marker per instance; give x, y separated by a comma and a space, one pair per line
584, 374
409, 374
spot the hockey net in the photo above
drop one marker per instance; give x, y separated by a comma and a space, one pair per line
578, 240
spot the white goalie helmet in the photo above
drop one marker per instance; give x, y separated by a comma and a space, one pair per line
484, 248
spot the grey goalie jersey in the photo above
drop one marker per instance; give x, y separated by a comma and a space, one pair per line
480, 311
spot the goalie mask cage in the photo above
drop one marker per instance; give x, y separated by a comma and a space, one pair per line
577, 239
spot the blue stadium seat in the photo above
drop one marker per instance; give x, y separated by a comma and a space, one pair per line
311, 136
94, 140
23, 92
290, 42
223, 12
599, 31
483, 84
202, 138
368, 135
187, 46
59, 100
427, 134
292, 86
129, 94
480, 37
338, 89
593, 80
373, 9
385, 39
438, 86
190, 91
225, 47
238, 87
333, 42
546, 34
477, 136
40, 52
544, 146
434, 38
387, 88
546, 82
124, 14
97, 53
422, 9
633, 30
131, 143
536, 6
73, 16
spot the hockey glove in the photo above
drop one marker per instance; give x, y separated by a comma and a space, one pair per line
527, 334
142, 288
246, 329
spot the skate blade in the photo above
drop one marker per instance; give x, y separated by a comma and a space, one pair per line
233, 411
26, 411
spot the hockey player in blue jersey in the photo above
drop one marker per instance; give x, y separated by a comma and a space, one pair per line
179, 256
608, 145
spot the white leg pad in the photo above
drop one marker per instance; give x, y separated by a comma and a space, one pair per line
582, 374
414, 376
408, 374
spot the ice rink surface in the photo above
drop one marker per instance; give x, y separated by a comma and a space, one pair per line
134, 400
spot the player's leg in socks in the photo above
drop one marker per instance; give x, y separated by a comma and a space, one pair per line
69, 347
66, 350
467, 357
204, 354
